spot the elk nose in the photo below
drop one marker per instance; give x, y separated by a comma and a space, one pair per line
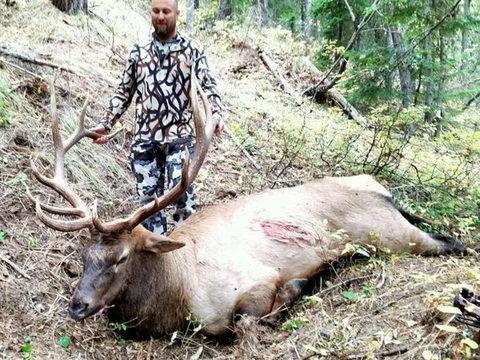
78, 309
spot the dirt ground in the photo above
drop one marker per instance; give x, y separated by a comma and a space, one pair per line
385, 306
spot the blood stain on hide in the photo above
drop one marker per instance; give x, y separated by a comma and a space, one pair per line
287, 233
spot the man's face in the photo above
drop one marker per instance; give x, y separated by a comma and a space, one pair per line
164, 18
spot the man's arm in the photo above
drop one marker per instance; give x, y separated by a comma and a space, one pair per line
121, 99
209, 85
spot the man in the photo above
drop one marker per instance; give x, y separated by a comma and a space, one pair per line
158, 72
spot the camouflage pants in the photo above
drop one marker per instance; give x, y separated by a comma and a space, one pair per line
148, 165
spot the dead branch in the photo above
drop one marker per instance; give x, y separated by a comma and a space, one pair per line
320, 85
344, 283
15, 267
36, 76
239, 144
33, 60
273, 67
381, 354
336, 96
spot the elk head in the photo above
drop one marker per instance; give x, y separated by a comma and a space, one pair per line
108, 261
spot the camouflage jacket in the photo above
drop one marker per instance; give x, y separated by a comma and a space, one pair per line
159, 74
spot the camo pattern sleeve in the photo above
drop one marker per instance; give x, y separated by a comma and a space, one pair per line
123, 95
206, 80
159, 74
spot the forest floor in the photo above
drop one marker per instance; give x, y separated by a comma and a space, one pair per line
388, 304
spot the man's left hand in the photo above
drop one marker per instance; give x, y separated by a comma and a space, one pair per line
220, 124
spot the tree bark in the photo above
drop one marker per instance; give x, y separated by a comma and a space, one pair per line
441, 86
225, 10
71, 7
404, 70
391, 49
341, 102
465, 39
190, 16
306, 21
428, 70
274, 68
263, 11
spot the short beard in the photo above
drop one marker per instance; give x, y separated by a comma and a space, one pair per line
167, 32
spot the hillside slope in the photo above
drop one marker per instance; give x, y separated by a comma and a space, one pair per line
289, 143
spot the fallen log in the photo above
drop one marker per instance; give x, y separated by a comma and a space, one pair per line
34, 60
341, 102
335, 96
273, 67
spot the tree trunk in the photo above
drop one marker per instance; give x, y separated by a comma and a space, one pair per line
465, 39
71, 7
190, 16
441, 86
263, 11
306, 21
391, 60
224, 10
404, 70
428, 70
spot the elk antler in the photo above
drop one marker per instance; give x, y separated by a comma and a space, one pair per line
58, 182
204, 133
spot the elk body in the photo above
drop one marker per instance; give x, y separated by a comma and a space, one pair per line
250, 256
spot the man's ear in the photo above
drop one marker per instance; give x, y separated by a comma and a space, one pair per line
159, 244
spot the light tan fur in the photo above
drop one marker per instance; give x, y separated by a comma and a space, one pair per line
236, 256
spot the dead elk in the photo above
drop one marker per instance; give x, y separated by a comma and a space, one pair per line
250, 256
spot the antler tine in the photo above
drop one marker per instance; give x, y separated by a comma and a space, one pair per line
147, 210
189, 172
61, 225
54, 209
80, 132
203, 131
59, 184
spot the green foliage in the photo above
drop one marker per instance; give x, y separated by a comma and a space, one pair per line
27, 348
293, 325
3, 234
355, 249
20, 180
65, 341
8, 101
118, 326
367, 291
349, 295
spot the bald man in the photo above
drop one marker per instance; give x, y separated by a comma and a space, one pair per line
158, 74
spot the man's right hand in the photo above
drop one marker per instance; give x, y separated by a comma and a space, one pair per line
100, 129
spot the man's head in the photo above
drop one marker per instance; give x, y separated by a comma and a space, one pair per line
164, 18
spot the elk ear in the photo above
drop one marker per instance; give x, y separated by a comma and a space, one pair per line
160, 244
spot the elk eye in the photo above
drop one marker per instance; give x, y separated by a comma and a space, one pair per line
122, 259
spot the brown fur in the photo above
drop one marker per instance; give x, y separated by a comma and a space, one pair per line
237, 255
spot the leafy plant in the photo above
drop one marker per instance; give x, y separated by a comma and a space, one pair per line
27, 348
349, 295
21, 180
3, 234
367, 291
119, 326
355, 249
7, 101
65, 341
294, 325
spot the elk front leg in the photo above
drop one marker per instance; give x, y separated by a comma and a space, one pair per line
265, 301
286, 296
